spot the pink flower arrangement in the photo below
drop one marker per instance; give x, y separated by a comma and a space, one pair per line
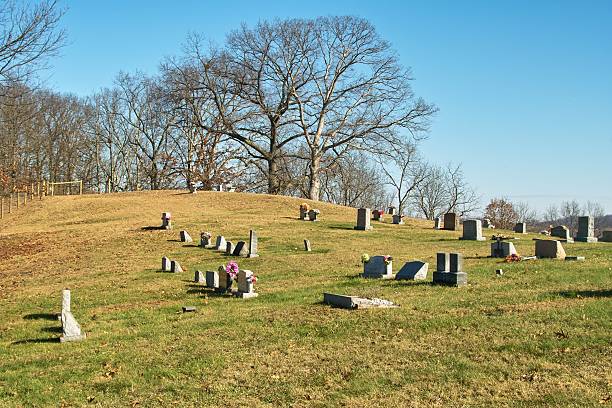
232, 269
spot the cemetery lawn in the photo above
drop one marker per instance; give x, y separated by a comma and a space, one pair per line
540, 335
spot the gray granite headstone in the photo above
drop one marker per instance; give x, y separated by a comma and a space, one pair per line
442, 262
363, 219
252, 251
472, 230
398, 219
520, 228
452, 275
549, 249
212, 279
229, 248
240, 249
185, 237
165, 264
606, 236
415, 270
175, 267
376, 267
561, 231
313, 214
456, 262
221, 244
223, 280
199, 277
245, 287
391, 210
502, 249
586, 229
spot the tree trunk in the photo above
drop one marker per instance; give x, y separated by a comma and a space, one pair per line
273, 182
314, 188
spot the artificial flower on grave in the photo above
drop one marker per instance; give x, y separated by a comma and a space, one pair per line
304, 207
206, 235
232, 269
252, 279
316, 211
513, 258
365, 258
388, 259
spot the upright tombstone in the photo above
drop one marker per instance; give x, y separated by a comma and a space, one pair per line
245, 285
241, 249
185, 237
175, 267
546, 248
561, 231
71, 330
502, 249
165, 267
252, 251
307, 247
378, 268
377, 215
391, 210
212, 279
486, 223
415, 270
199, 277
166, 220
229, 248
224, 284
438, 223
313, 214
606, 236
303, 212
586, 229
449, 270
472, 230
450, 221
205, 240
363, 219
398, 219
520, 228
220, 244
66, 300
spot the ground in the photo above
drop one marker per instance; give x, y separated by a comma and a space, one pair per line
540, 335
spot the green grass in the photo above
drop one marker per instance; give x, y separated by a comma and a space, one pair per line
540, 335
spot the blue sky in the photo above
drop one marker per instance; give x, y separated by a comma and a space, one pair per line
524, 88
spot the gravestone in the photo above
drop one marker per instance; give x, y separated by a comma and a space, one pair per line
245, 286
438, 223
66, 300
586, 229
241, 249
220, 244
205, 240
398, 219
377, 268
188, 309
450, 221
166, 220
415, 270
377, 215
252, 251
71, 330
185, 237
307, 247
574, 258
363, 219
472, 230
606, 236
486, 223
561, 231
313, 214
229, 248
545, 248
520, 228
175, 267
165, 264
303, 213
223, 283
212, 279
391, 210
199, 277
502, 249
355, 302
449, 270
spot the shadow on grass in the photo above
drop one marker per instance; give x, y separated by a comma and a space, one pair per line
585, 293
52, 329
342, 227
407, 282
29, 341
174, 240
41, 316
189, 245
152, 228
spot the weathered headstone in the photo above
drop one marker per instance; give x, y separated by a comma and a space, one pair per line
245, 285
450, 221
452, 273
199, 277
307, 247
187, 309
166, 220
415, 270
363, 219
220, 244
66, 300
502, 249
303, 212
545, 248
606, 236
486, 223
438, 223
355, 302
229, 248
398, 219
377, 215
520, 228
561, 231
185, 237
165, 267
212, 279
586, 229
252, 250
472, 230
205, 240
175, 267
376, 267
71, 330
240, 249
313, 214
391, 210
224, 280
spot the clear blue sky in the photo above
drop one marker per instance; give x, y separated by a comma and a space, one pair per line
524, 88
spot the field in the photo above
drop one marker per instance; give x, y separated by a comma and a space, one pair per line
540, 335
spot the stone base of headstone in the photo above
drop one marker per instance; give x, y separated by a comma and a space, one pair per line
362, 228
245, 295
586, 239
450, 278
574, 258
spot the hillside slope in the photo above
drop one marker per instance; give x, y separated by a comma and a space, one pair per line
538, 335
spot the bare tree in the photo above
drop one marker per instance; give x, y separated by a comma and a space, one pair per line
551, 214
28, 34
570, 211
525, 213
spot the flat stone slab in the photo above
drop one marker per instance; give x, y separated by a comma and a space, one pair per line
450, 278
355, 302
187, 309
574, 258
245, 295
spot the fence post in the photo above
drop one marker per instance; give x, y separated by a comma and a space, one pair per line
25, 196
81, 187
10, 202
17, 199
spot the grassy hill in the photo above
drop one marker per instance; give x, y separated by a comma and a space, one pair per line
540, 335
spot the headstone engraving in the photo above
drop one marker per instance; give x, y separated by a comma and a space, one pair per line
451, 221
545, 248
363, 219
472, 230
252, 251
220, 244
245, 284
175, 267
212, 279
377, 267
165, 267
415, 270
185, 237
586, 229
307, 247
520, 228
199, 277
